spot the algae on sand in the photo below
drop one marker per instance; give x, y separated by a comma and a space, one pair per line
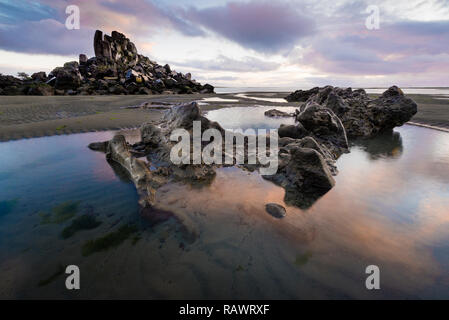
61, 213
110, 240
51, 278
84, 222
302, 259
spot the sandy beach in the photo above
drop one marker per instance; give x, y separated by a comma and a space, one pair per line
30, 116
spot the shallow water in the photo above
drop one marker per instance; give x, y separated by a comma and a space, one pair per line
389, 208
250, 117
269, 99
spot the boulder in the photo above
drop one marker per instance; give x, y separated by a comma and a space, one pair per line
67, 77
292, 131
41, 89
39, 76
360, 115
301, 95
274, 113
276, 210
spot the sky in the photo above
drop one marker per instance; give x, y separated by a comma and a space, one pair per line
244, 43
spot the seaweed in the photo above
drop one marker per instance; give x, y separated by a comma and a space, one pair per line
61, 213
84, 222
110, 240
302, 259
61, 127
7, 206
52, 277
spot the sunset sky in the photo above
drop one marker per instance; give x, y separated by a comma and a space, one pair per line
298, 43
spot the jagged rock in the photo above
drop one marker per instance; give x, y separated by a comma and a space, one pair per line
292, 131
305, 176
276, 210
323, 124
116, 59
82, 59
301, 95
359, 114
305, 165
277, 113
207, 88
67, 77
39, 76
41, 89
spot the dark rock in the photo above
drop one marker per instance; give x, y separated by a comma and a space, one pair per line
41, 89
301, 95
82, 59
67, 77
207, 88
304, 175
292, 131
324, 125
305, 165
360, 115
276, 210
277, 113
116, 59
39, 76
99, 146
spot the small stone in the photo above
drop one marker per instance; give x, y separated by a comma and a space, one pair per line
276, 210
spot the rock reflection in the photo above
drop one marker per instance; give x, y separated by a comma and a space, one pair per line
120, 172
385, 145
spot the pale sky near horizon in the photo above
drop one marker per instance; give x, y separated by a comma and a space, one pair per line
289, 43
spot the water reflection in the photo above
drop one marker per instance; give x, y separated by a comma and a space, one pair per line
385, 145
218, 241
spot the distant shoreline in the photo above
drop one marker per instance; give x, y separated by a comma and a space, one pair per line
29, 116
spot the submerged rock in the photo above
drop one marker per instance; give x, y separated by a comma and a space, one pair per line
276, 210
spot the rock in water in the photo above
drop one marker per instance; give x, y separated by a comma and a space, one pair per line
277, 113
276, 210
360, 115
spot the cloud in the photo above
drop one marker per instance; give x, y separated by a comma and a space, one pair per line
222, 63
12, 11
45, 36
269, 27
401, 47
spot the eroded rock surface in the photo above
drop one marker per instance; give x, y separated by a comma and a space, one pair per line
305, 165
117, 68
360, 115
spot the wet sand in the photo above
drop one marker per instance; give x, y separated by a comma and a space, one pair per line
29, 116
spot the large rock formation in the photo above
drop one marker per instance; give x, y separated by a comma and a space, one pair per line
117, 68
360, 115
305, 167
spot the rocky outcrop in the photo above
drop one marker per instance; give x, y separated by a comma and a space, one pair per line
360, 115
301, 95
117, 68
305, 166
305, 171
274, 113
